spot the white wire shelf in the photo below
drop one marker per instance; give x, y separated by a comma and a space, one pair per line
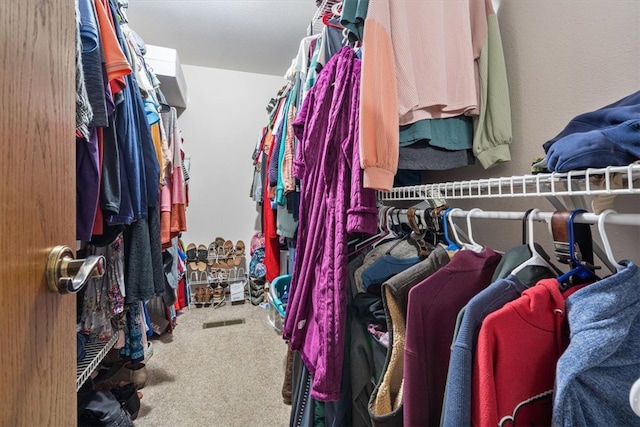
315, 26
95, 352
589, 182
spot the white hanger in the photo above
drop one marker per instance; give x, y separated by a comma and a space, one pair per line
336, 9
536, 259
605, 239
634, 397
464, 245
474, 246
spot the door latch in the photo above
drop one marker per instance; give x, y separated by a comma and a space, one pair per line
66, 275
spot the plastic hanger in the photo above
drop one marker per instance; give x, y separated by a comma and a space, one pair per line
634, 397
383, 230
536, 259
325, 20
578, 273
453, 246
473, 245
605, 240
336, 9
524, 225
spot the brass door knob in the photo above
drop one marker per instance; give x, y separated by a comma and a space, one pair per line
66, 275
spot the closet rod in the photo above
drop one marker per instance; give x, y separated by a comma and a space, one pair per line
584, 218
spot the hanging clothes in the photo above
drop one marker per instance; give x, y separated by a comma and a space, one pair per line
431, 60
530, 331
325, 128
386, 403
271, 240
431, 317
601, 363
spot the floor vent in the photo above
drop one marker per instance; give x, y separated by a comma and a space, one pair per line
220, 323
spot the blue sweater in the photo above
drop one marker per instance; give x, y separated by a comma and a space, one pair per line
457, 406
596, 372
609, 136
627, 108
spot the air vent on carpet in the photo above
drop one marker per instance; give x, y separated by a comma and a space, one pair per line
220, 323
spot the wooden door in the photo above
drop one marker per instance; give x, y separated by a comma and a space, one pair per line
37, 210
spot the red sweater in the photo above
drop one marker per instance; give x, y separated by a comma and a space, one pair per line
515, 363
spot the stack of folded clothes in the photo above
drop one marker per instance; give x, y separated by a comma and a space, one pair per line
609, 136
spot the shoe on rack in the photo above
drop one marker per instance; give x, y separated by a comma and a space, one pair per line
199, 296
207, 296
202, 257
228, 249
122, 374
218, 295
220, 246
192, 257
212, 250
240, 247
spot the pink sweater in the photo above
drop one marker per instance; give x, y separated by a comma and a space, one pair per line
420, 61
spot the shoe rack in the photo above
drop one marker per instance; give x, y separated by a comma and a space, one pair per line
214, 272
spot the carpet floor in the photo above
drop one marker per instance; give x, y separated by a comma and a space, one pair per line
217, 376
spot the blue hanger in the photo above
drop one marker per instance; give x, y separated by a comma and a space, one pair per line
453, 246
578, 270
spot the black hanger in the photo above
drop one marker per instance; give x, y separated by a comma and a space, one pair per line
524, 225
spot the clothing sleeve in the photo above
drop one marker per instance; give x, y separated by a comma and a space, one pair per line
116, 64
379, 121
289, 150
362, 215
484, 410
300, 130
493, 133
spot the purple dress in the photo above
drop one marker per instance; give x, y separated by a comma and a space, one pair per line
332, 205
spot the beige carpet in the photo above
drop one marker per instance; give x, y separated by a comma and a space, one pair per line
225, 376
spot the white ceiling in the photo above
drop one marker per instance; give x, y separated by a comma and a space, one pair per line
257, 36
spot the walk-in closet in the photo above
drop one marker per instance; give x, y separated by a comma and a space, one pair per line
320, 213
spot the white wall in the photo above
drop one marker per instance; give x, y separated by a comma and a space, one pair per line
563, 58
225, 111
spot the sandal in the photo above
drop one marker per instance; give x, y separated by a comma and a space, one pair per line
220, 243
239, 248
212, 251
202, 257
218, 296
192, 256
238, 253
207, 296
212, 256
199, 296
228, 249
